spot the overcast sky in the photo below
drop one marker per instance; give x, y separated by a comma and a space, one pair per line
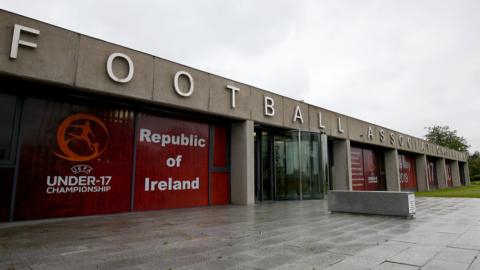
401, 64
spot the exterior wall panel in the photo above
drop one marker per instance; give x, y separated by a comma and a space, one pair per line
75, 160
407, 169
176, 168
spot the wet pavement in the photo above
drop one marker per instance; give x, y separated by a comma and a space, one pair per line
283, 235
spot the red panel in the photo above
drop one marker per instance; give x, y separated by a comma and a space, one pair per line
181, 183
75, 160
219, 188
6, 183
408, 176
358, 176
449, 174
220, 147
371, 170
432, 175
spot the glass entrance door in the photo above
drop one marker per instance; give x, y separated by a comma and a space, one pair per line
264, 186
287, 166
290, 165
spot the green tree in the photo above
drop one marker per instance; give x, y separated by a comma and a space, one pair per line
474, 166
442, 135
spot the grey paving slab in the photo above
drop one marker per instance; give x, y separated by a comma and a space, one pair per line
417, 255
445, 265
476, 264
317, 261
280, 235
457, 255
469, 240
395, 266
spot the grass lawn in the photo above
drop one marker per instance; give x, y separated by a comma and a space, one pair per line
472, 191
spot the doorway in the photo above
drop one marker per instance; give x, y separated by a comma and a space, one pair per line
290, 165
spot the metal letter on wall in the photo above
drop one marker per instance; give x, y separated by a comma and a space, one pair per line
177, 88
269, 110
16, 41
297, 114
339, 125
370, 133
382, 135
110, 68
320, 122
400, 140
234, 91
392, 138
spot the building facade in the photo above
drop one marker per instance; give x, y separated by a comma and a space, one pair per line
89, 127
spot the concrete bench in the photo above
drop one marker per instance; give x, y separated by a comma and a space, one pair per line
372, 202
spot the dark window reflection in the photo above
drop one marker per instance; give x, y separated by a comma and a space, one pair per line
7, 114
6, 183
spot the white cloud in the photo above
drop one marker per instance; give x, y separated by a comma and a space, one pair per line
401, 64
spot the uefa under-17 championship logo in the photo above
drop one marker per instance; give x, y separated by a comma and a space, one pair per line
81, 137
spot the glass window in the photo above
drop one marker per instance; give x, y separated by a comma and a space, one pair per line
7, 115
310, 166
267, 189
287, 166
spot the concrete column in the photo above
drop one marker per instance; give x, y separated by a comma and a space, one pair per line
342, 171
392, 173
466, 171
242, 187
441, 173
455, 173
421, 168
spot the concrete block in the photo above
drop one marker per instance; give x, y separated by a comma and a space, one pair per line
289, 106
455, 173
342, 177
242, 163
392, 170
466, 172
221, 98
441, 173
421, 168
257, 105
54, 59
92, 69
372, 202
359, 131
339, 125
164, 91
313, 115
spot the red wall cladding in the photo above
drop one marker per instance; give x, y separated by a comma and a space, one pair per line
432, 175
75, 160
365, 169
219, 188
358, 177
220, 147
448, 166
408, 175
220, 180
172, 163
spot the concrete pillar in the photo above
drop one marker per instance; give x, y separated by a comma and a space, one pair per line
392, 173
342, 171
242, 187
441, 173
466, 172
455, 173
421, 167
